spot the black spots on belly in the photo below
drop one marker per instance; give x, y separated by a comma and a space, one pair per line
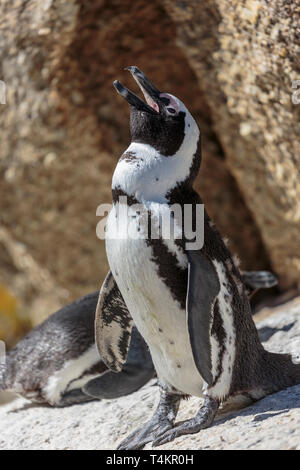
218, 331
117, 192
178, 366
128, 157
172, 342
172, 275
160, 330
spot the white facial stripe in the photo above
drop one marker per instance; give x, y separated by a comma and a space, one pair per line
151, 176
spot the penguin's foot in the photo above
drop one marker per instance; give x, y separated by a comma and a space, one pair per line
144, 434
202, 420
162, 420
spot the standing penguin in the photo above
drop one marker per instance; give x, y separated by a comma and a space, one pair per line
58, 363
190, 305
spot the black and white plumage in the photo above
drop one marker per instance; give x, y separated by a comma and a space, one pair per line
190, 306
58, 363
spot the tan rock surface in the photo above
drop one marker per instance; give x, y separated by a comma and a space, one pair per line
246, 56
63, 128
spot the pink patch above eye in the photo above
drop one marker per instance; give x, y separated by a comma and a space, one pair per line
173, 103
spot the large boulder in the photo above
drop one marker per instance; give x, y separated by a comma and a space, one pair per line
63, 129
246, 58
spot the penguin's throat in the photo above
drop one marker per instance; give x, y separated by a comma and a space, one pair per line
145, 174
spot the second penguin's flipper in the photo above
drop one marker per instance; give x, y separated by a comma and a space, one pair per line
136, 372
73, 397
118, 384
203, 288
259, 279
113, 325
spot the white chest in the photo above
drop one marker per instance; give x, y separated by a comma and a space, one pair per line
159, 318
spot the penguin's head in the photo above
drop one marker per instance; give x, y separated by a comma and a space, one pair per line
163, 122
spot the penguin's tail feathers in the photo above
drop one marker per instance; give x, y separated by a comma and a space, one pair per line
280, 372
259, 279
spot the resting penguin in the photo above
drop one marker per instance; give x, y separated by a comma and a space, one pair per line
58, 363
190, 305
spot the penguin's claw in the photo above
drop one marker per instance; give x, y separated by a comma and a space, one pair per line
202, 420
188, 427
148, 432
162, 421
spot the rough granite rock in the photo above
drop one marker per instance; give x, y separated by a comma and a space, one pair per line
271, 423
246, 56
64, 127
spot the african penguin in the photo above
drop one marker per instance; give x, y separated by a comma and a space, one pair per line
58, 363
190, 305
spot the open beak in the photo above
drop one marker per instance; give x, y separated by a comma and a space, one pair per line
150, 92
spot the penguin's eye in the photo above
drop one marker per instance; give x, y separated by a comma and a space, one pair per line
171, 110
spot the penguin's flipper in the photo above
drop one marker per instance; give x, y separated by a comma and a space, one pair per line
73, 397
259, 279
136, 372
114, 385
113, 324
203, 288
